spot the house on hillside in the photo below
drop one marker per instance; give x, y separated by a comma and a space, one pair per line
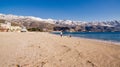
7, 27
4, 27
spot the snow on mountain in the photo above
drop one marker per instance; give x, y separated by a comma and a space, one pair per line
59, 22
14, 17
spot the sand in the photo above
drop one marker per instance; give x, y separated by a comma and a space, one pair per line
33, 49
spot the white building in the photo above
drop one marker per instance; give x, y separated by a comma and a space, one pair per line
6, 27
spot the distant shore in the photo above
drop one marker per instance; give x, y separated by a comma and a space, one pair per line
40, 49
77, 35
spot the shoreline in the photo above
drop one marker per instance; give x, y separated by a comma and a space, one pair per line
100, 40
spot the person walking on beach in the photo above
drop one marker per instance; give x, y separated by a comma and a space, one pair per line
61, 33
70, 35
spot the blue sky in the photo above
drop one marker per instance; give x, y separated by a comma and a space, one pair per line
83, 10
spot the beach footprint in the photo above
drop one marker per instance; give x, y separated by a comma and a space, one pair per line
90, 64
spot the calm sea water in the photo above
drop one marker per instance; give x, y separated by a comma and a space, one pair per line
107, 36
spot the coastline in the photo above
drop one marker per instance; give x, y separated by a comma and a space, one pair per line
34, 49
97, 40
105, 41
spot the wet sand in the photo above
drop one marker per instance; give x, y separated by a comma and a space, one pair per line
33, 49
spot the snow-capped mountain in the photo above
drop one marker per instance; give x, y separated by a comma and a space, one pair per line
31, 21
10, 17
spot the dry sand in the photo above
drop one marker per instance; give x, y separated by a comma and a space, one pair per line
48, 50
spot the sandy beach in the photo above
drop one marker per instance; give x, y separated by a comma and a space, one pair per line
35, 49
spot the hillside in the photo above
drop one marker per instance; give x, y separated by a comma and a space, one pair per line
38, 24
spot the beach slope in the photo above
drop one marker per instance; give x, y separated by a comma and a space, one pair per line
34, 49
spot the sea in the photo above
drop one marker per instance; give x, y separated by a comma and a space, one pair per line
104, 36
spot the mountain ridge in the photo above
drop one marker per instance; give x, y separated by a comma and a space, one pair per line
66, 25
